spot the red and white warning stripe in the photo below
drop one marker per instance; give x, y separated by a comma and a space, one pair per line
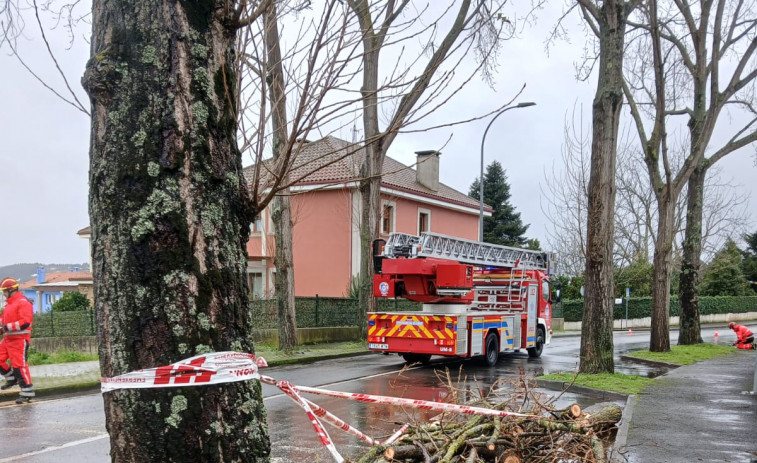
226, 367
412, 403
212, 368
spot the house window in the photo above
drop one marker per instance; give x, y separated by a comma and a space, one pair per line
50, 299
387, 219
255, 282
257, 225
424, 221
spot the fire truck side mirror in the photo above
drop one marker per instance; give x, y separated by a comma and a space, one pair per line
378, 255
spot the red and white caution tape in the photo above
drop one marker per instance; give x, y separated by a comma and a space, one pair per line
412, 403
291, 390
396, 435
212, 368
226, 367
339, 423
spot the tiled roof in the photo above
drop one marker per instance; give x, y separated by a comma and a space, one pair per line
338, 161
59, 277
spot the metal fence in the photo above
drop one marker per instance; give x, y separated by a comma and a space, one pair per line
311, 312
319, 312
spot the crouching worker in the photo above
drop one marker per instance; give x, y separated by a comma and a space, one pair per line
745, 338
16, 325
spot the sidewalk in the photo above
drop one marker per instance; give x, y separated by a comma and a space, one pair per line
697, 412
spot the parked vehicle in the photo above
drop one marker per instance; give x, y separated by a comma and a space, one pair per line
479, 299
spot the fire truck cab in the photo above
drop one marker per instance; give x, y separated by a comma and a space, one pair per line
478, 299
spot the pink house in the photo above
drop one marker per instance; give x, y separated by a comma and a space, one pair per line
326, 215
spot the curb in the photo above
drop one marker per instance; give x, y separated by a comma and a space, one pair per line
652, 363
583, 390
301, 360
8, 398
621, 438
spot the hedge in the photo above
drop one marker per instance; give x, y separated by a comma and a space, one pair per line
56, 324
315, 312
311, 312
641, 307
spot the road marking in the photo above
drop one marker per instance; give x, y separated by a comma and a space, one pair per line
54, 448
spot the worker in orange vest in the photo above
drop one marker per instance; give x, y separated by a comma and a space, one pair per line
744, 336
16, 326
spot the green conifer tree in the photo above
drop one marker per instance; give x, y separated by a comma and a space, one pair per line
504, 226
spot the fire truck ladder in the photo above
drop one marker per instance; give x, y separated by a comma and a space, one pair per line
464, 251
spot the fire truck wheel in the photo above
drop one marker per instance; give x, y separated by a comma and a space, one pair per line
416, 358
492, 349
535, 352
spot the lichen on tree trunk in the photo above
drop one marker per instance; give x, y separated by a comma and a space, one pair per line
170, 214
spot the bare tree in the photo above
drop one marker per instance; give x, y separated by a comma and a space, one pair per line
567, 198
377, 20
566, 195
170, 212
607, 20
281, 214
732, 31
301, 79
656, 84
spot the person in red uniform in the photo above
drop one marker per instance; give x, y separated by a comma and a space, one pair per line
16, 327
744, 336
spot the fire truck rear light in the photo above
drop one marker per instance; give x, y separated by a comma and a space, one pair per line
371, 322
376, 339
449, 326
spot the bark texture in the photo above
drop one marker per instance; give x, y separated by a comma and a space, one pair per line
690, 329
659, 340
596, 337
170, 215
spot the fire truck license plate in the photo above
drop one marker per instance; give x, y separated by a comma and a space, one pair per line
378, 346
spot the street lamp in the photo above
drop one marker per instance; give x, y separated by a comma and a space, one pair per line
481, 177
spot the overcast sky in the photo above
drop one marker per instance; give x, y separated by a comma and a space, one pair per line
44, 144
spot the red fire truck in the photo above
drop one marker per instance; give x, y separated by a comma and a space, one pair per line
479, 299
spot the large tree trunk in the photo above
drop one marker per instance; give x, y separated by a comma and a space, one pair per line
596, 327
690, 329
281, 210
663, 250
170, 215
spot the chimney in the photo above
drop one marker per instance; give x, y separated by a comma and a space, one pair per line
427, 169
40, 275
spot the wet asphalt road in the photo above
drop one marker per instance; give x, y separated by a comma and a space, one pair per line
73, 429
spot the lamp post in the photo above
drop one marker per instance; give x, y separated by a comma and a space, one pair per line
481, 177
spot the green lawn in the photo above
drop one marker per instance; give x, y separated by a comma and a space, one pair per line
616, 382
632, 384
685, 355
